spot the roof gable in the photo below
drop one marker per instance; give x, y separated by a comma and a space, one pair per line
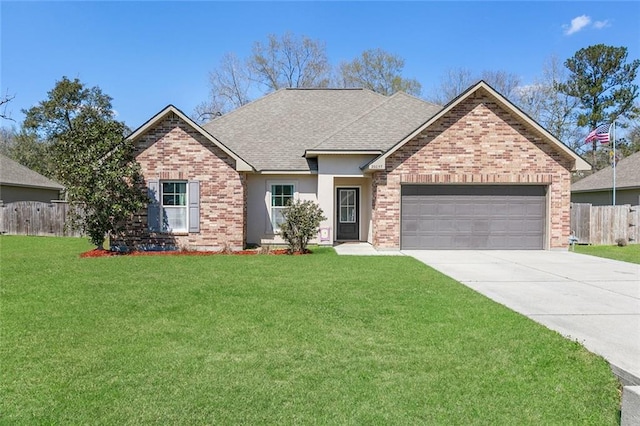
627, 176
241, 164
578, 162
15, 174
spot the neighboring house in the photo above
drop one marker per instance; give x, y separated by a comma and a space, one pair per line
597, 188
395, 171
19, 183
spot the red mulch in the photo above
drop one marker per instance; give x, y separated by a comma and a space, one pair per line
106, 253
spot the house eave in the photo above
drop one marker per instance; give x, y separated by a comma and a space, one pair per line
315, 152
618, 188
285, 172
25, 185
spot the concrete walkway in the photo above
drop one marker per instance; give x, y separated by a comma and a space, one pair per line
362, 249
592, 300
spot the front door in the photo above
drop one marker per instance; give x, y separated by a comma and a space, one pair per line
348, 214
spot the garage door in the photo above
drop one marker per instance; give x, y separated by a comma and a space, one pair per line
473, 217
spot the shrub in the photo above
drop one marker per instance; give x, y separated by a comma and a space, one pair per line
301, 222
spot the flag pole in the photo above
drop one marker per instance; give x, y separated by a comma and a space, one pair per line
614, 161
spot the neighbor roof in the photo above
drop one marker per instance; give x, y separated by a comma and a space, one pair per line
15, 174
273, 132
627, 176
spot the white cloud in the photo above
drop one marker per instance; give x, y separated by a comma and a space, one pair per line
598, 25
577, 24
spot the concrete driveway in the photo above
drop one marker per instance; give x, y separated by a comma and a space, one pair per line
591, 300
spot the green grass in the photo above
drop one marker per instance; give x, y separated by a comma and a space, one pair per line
317, 339
630, 253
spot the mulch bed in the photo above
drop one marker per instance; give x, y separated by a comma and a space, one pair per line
108, 253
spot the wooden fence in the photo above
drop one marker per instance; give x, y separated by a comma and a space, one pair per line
35, 218
605, 224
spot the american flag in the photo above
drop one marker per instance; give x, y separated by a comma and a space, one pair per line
600, 133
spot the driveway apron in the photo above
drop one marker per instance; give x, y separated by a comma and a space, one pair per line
588, 299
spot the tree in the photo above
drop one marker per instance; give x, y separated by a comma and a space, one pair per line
628, 143
28, 150
230, 85
4, 101
602, 80
554, 110
503, 81
457, 80
290, 61
380, 71
301, 222
453, 83
91, 157
280, 62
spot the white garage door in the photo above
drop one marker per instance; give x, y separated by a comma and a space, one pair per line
473, 217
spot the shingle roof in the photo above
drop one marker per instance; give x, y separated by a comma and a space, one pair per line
383, 126
273, 132
13, 173
627, 176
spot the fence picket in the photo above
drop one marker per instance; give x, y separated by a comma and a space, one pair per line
35, 218
604, 225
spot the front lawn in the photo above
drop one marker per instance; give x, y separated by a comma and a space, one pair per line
630, 253
316, 339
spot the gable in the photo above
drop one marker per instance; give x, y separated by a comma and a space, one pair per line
482, 95
478, 137
171, 144
171, 119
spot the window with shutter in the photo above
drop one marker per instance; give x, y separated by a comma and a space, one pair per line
174, 206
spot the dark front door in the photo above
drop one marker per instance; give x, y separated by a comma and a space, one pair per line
348, 214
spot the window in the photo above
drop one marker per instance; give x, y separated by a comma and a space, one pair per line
281, 196
348, 206
174, 206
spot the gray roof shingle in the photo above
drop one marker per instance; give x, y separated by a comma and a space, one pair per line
273, 132
627, 176
13, 173
383, 126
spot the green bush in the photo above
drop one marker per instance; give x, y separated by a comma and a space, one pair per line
301, 222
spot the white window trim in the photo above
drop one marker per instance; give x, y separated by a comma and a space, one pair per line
355, 206
269, 222
186, 207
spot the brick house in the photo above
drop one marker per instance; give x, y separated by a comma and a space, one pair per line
395, 171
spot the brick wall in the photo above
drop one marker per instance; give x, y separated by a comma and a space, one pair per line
476, 142
173, 150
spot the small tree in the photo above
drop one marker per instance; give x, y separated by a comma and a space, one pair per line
301, 222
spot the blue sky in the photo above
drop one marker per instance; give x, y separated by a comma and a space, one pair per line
150, 54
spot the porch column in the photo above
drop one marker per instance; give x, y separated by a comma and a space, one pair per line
326, 202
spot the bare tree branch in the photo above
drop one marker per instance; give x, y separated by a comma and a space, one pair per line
4, 101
